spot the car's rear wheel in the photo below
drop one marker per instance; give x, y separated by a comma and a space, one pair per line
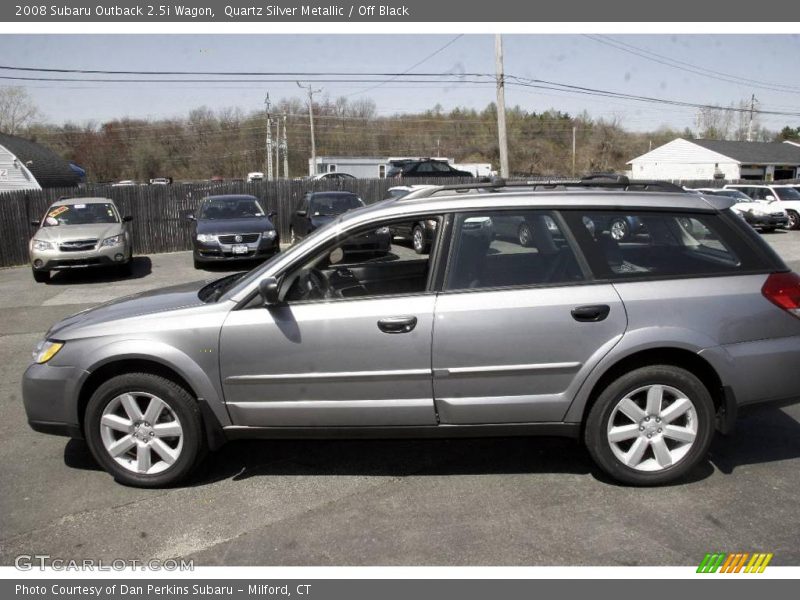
651, 426
144, 430
525, 235
418, 239
619, 229
794, 219
40, 276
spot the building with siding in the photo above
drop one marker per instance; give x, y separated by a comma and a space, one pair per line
26, 165
683, 159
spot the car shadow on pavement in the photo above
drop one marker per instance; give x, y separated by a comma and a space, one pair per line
765, 436
142, 267
762, 436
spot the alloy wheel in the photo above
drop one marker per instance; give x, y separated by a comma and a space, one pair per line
652, 428
619, 230
418, 240
525, 235
141, 433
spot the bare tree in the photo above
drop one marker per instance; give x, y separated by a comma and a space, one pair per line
17, 110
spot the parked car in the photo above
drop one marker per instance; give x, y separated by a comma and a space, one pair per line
318, 209
80, 232
760, 214
335, 176
424, 168
639, 350
780, 198
161, 181
419, 233
255, 176
125, 183
232, 227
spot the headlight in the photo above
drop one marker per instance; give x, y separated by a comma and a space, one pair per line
205, 237
45, 350
42, 245
267, 234
112, 241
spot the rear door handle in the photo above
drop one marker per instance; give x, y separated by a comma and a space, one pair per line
397, 324
591, 314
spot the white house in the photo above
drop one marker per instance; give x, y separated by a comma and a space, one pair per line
26, 165
683, 159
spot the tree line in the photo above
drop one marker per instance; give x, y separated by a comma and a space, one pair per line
230, 143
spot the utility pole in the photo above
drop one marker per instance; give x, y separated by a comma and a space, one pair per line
311, 93
269, 139
750, 122
574, 129
501, 105
285, 145
277, 148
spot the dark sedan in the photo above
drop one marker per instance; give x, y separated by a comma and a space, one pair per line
232, 228
320, 208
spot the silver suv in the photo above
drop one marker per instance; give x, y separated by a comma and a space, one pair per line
639, 348
78, 233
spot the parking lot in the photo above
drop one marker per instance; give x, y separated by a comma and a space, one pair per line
504, 501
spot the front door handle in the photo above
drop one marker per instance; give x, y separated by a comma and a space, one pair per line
397, 324
591, 314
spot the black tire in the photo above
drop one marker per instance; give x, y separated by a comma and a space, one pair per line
767, 229
197, 264
40, 276
794, 220
418, 240
126, 269
178, 400
525, 235
595, 433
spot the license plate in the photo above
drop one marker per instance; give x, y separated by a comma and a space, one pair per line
240, 249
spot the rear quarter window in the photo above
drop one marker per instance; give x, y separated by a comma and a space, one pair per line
630, 245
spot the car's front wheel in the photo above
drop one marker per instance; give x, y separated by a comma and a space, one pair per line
40, 276
651, 426
144, 429
620, 230
794, 219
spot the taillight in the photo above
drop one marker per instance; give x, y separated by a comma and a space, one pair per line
783, 290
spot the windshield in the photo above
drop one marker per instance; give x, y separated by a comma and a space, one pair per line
736, 194
81, 214
230, 208
214, 290
787, 193
333, 204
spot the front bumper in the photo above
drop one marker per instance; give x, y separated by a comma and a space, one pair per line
767, 220
218, 252
48, 395
51, 260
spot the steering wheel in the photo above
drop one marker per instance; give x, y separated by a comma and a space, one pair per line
314, 285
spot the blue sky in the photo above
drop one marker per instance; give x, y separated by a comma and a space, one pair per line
572, 59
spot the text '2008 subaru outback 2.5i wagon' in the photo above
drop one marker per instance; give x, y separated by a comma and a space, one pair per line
640, 348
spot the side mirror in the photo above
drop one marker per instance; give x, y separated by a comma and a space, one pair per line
301, 213
190, 217
770, 198
272, 215
268, 288
127, 218
36, 223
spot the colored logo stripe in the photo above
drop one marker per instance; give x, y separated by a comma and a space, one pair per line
735, 562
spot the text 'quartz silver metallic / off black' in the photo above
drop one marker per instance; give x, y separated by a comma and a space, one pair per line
528, 314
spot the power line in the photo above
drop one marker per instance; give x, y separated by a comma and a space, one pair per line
412, 67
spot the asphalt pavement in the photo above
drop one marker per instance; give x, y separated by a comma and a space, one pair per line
504, 501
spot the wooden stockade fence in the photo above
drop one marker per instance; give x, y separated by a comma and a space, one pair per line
159, 211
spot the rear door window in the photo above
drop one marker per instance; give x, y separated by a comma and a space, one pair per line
633, 245
499, 249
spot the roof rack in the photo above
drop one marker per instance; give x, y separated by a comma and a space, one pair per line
603, 181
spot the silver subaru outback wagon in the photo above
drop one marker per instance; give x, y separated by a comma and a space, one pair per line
640, 348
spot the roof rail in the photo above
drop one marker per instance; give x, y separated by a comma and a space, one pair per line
604, 181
